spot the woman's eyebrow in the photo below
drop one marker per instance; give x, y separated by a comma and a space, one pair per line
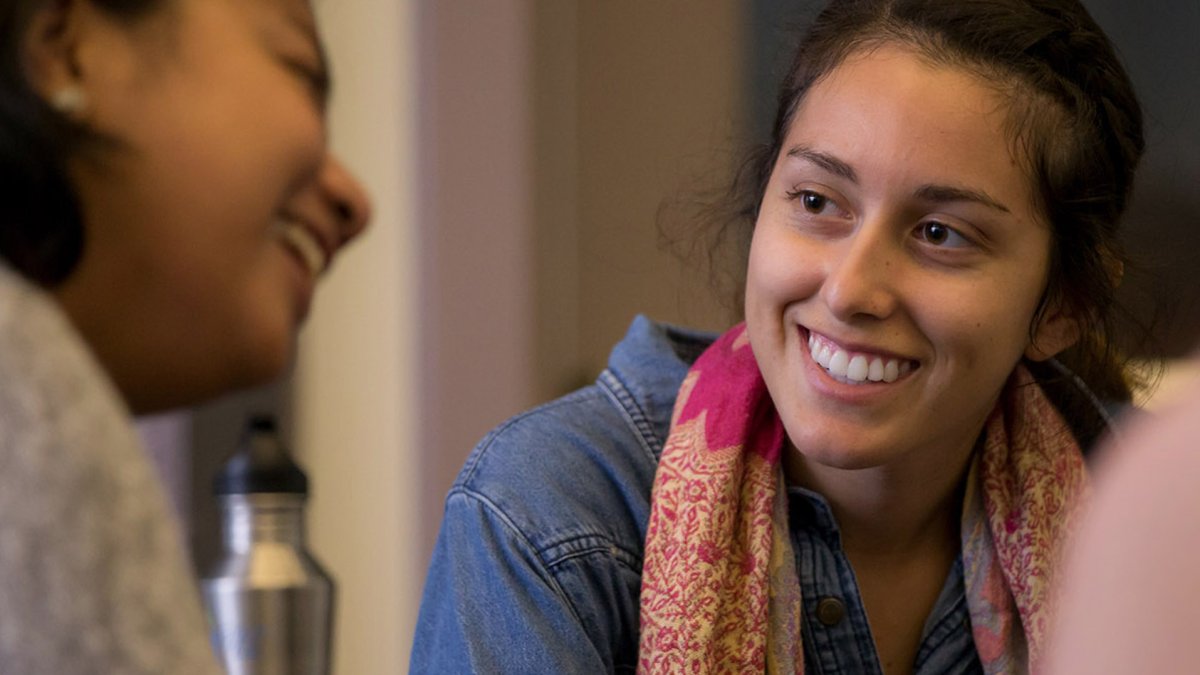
827, 162
942, 194
305, 23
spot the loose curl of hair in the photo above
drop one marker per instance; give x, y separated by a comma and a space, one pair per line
1074, 121
41, 231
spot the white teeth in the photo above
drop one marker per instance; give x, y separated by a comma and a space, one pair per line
300, 240
875, 372
839, 363
857, 368
891, 371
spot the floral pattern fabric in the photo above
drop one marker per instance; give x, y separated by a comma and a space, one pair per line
719, 586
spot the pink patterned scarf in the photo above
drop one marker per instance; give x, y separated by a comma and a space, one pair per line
719, 586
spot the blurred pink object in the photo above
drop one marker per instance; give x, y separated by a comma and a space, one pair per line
1131, 600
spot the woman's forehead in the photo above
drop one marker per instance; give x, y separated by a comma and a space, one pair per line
895, 91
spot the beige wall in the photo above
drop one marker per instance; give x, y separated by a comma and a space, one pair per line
657, 115
550, 133
355, 388
635, 103
476, 263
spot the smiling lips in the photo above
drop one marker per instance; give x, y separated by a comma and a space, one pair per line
855, 367
304, 244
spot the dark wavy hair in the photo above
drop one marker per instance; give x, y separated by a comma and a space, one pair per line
41, 233
1074, 120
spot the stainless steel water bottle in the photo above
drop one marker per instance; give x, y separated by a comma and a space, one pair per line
270, 604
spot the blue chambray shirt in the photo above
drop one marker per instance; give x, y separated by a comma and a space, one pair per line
538, 562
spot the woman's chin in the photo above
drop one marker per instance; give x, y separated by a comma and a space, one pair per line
203, 383
263, 366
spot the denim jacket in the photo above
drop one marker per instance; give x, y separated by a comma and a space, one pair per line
537, 567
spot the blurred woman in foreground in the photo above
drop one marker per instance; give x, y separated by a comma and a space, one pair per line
169, 203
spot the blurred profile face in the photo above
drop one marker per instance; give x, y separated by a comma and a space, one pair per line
896, 266
207, 230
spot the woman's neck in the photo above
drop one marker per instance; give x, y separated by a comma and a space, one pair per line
903, 509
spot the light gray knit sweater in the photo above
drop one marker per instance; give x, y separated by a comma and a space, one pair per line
92, 572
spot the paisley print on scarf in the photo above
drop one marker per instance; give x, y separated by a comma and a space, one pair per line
719, 587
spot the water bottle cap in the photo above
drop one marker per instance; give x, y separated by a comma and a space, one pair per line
260, 464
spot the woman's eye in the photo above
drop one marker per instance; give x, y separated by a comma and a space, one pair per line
315, 78
940, 234
813, 202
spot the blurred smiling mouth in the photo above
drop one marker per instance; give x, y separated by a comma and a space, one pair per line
853, 367
303, 244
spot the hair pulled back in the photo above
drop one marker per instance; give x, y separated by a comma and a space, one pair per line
1074, 120
41, 233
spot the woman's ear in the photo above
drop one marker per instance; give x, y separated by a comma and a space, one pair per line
50, 54
1057, 330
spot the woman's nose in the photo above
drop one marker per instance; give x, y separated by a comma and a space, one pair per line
346, 197
859, 280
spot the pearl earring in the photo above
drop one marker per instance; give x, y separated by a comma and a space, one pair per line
70, 100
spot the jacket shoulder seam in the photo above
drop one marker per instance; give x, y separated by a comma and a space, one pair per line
519, 537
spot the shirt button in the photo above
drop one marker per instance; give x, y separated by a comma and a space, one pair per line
831, 611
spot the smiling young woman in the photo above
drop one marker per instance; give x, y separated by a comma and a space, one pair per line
936, 264
208, 226
169, 204
873, 473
